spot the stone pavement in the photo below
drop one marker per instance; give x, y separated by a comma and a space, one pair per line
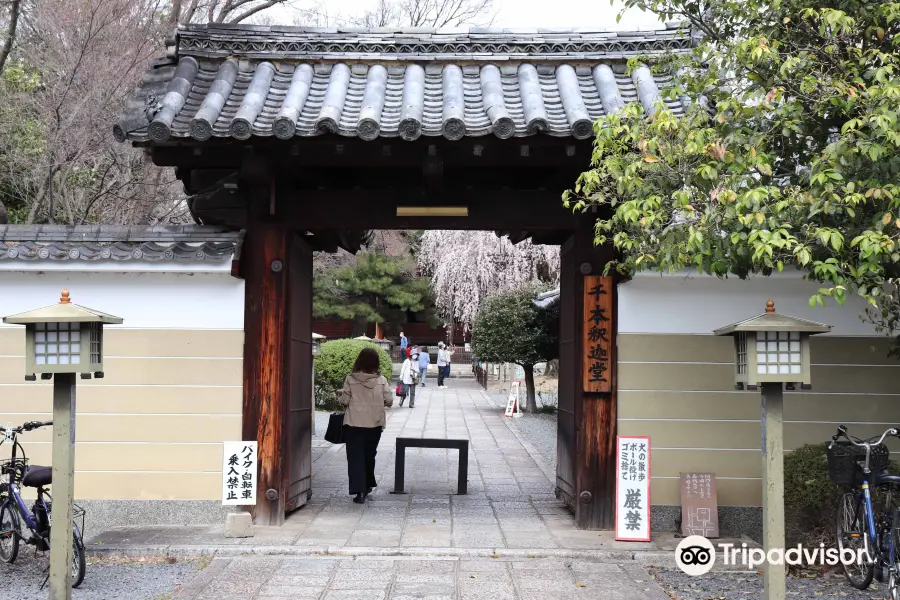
281, 578
510, 507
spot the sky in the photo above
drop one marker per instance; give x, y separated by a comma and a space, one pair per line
593, 14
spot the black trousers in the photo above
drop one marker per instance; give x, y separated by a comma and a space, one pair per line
362, 446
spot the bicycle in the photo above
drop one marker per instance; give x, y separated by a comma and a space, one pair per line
861, 465
17, 522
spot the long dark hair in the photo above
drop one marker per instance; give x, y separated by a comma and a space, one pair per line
368, 361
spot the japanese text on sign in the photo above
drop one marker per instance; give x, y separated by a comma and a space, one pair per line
633, 489
239, 473
699, 505
598, 331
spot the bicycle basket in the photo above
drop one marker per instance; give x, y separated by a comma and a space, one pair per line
844, 459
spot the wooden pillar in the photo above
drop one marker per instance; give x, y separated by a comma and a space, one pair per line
586, 436
263, 257
277, 269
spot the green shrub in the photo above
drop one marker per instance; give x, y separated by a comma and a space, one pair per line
335, 361
810, 498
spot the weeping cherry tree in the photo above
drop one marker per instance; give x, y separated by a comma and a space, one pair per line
466, 267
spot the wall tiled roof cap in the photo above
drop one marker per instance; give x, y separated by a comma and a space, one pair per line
109, 243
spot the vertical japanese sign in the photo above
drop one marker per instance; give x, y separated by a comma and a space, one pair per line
597, 334
513, 406
633, 489
699, 505
239, 469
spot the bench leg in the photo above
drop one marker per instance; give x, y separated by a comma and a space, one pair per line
399, 468
462, 486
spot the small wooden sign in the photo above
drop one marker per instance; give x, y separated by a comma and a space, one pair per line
597, 334
513, 407
699, 505
239, 473
633, 489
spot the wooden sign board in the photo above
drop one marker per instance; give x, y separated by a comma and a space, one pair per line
699, 505
513, 407
597, 334
633, 489
239, 473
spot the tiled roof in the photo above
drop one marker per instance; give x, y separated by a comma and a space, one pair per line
239, 81
104, 244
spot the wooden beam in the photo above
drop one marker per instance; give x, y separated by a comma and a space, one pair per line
532, 211
338, 151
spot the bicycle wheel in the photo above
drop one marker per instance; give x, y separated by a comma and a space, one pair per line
78, 563
894, 576
9, 540
853, 535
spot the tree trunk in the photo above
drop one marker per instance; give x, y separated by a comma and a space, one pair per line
530, 399
552, 368
14, 10
175, 15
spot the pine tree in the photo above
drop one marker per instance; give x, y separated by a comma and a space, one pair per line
376, 289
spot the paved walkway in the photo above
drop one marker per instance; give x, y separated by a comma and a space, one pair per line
277, 578
508, 538
510, 502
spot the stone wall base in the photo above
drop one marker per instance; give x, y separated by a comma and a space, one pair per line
734, 521
103, 515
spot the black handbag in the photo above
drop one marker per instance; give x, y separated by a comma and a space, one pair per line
335, 431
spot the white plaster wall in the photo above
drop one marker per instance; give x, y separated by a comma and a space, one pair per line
145, 300
698, 304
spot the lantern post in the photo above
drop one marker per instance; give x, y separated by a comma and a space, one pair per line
62, 341
772, 353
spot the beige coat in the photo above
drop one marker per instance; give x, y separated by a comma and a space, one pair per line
366, 395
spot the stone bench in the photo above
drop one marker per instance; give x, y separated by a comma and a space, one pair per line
400, 464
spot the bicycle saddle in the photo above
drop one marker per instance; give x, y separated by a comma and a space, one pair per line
885, 478
37, 477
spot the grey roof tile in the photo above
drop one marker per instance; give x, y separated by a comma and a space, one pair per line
241, 81
106, 243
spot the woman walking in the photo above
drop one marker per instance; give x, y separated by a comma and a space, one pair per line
409, 377
366, 393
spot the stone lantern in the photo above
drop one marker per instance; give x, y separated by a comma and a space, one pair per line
63, 340
317, 340
772, 352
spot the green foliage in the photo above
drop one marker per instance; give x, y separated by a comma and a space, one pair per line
335, 361
510, 328
377, 289
796, 164
810, 498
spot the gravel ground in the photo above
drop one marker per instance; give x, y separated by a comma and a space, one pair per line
539, 429
749, 586
105, 579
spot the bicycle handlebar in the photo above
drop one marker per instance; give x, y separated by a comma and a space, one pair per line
28, 426
842, 433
